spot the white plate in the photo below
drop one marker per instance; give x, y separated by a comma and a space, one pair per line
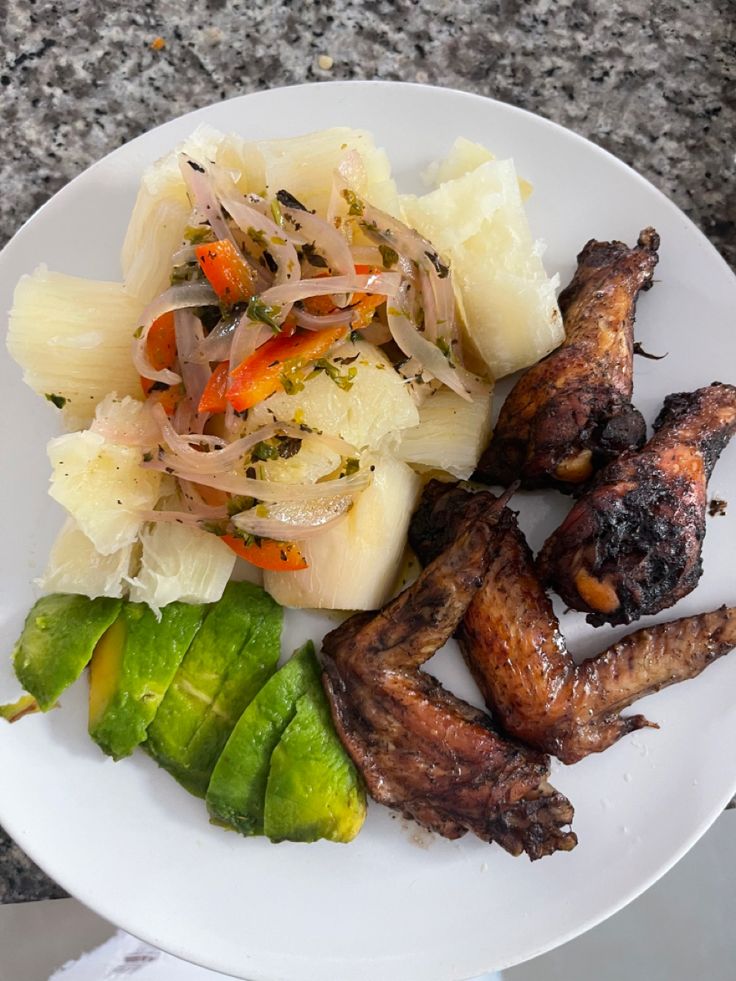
394, 905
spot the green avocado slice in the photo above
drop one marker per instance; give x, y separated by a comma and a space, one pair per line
57, 642
133, 665
230, 659
313, 790
237, 791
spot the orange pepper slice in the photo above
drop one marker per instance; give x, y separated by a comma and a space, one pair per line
259, 375
268, 554
160, 347
213, 397
229, 276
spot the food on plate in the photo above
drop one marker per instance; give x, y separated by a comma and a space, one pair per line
449, 435
231, 657
133, 664
421, 750
75, 566
353, 565
71, 337
313, 790
283, 771
511, 641
632, 544
57, 642
294, 348
236, 794
288, 327
476, 221
572, 412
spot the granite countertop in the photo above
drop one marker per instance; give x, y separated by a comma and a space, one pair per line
653, 83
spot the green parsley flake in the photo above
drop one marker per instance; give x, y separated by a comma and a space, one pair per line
264, 312
390, 256
355, 205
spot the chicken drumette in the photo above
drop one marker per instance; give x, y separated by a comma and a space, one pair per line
511, 641
631, 545
572, 412
420, 749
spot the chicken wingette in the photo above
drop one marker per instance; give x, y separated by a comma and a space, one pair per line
511, 641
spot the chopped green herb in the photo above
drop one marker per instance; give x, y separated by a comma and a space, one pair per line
355, 205
390, 256
277, 213
257, 236
289, 201
138, 332
265, 313
265, 450
197, 234
147, 457
236, 505
309, 251
444, 347
343, 381
442, 270
218, 528
292, 377
352, 465
58, 400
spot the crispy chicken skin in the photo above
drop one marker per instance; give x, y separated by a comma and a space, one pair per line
420, 749
572, 412
511, 641
631, 545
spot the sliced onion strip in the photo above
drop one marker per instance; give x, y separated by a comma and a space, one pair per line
175, 298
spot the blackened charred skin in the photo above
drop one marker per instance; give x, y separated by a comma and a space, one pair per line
632, 544
511, 641
570, 414
420, 749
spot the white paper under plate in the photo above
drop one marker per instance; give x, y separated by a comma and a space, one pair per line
396, 904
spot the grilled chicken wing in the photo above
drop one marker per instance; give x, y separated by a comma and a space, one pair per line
632, 543
511, 641
421, 750
572, 412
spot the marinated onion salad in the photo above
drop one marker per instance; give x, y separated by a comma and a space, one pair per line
302, 354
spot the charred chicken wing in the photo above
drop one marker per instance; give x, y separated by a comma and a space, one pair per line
632, 544
572, 412
421, 750
511, 641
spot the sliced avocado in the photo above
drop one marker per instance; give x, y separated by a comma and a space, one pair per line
229, 661
313, 790
237, 791
56, 645
133, 665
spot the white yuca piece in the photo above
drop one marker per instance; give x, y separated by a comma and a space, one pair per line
103, 487
478, 222
303, 165
377, 403
464, 157
352, 566
451, 435
75, 566
179, 562
72, 338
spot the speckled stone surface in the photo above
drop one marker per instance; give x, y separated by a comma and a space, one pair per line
653, 82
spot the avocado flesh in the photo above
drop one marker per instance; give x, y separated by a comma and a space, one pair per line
313, 789
131, 669
237, 792
58, 638
231, 658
